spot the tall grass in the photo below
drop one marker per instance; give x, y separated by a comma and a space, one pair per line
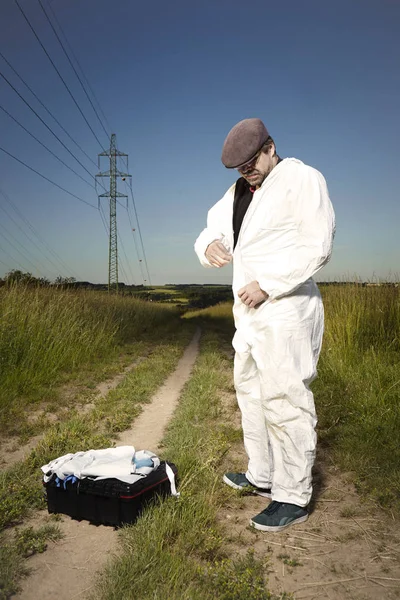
20, 485
46, 332
177, 549
357, 391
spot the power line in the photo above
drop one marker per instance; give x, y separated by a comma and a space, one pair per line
79, 65
37, 235
134, 229
47, 179
13, 259
44, 123
44, 146
136, 247
46, 109
5, 235
29, 238
104, 220
121, 266
3, 263
13, 220
140, 233
107, 230
127, 261
70, 62
58, 72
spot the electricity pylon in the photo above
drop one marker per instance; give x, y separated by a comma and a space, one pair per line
112, 194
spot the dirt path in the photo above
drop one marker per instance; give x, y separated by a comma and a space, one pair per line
348, 549
12, 452
66, 570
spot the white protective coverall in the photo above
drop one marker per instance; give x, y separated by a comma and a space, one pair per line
285, 238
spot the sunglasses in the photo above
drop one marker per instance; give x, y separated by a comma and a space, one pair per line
250, 163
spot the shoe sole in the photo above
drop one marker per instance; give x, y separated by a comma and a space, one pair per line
277, 527
251, 490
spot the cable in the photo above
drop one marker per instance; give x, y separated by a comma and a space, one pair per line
70, 62
47, 179
37, 235
29, 238
132, 228
121, 268
127, 261
140, 233
13, 259
3, 263
106, 227
19, 251
136, 247
45, 124
79, 65
58, 73
46, 109
44, 146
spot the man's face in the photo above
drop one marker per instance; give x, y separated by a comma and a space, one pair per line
256, 171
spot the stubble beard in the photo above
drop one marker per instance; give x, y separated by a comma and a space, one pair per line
254, 182
260, 179
257, 182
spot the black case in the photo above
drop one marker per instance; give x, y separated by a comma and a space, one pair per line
107, 501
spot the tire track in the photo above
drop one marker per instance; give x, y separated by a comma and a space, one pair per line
67, 569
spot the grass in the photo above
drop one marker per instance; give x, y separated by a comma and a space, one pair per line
177, 549
50, 335
220, 312
25, 542
357, 391
20, 486
287, 560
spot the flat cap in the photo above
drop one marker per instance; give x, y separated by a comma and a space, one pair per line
243, 142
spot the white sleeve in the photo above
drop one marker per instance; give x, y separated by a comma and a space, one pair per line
312, 249
219, 226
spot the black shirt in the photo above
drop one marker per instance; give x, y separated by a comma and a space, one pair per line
243, 196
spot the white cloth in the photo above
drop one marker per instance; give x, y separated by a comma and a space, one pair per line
171, 477
285, 238
102, 464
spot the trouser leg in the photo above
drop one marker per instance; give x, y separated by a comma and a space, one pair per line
286, 360
255, 434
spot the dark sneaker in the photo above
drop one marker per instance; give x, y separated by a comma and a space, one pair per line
239, 481
279, 515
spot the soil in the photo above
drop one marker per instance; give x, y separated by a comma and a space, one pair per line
11, 451
68, 567
348, 549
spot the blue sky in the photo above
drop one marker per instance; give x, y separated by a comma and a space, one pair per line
172, 79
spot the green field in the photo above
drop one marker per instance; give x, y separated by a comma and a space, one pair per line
49, 337
357, 391
55, 340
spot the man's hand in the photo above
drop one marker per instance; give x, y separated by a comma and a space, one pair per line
251, 294
217, 255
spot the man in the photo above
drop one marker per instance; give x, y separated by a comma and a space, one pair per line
277, 225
